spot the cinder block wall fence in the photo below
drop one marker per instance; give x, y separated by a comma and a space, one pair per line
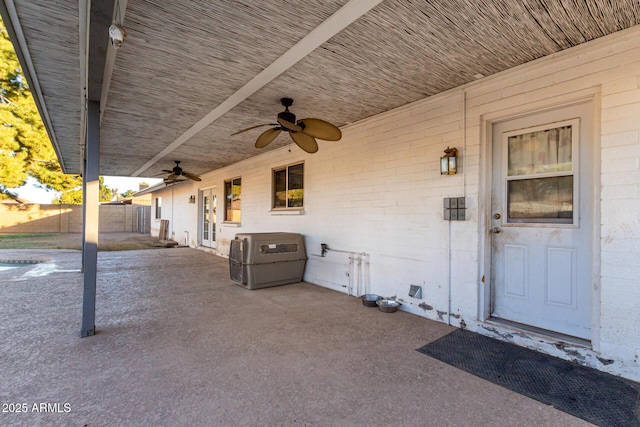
37, 218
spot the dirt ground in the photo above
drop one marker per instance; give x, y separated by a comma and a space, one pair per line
106, 241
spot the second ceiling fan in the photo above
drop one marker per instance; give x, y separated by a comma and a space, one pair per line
177, 171
303, 132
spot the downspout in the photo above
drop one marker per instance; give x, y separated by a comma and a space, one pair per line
464, 142
464, 194
449, 272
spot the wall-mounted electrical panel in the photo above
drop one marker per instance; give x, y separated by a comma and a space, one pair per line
454, 209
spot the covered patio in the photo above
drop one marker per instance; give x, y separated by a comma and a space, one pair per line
179, 344
129, 88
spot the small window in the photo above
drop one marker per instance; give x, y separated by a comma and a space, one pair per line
158, 207
232, 192
288, 187
540, 172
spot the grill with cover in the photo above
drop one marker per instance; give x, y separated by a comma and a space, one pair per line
262, 260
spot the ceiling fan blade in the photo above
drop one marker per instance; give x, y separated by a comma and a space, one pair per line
171, 177
304, 141
320, 129
253, 127
266, 137
288, 125
191, 176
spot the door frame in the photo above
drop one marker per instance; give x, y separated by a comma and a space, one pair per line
212, 189
485, 193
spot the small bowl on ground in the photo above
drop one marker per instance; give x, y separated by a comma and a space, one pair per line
387, 305
369, 300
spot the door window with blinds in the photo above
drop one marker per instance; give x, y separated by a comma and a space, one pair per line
541, 167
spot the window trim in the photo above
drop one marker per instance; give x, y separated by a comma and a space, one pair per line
158, 207
296, 209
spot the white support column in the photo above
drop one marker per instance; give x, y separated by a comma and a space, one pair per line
91, 190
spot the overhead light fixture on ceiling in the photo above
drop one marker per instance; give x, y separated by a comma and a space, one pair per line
116, 34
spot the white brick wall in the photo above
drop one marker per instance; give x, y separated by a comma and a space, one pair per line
182, 215
379, 191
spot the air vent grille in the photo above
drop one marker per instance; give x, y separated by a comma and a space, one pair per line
278, 248
235, 261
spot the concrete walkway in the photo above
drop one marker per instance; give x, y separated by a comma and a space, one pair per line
178, 344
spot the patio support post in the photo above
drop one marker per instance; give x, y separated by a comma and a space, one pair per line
84, 207
91, 190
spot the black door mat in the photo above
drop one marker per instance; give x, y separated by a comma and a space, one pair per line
592, 395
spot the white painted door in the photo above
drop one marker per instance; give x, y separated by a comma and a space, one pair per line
542, 220
208, 205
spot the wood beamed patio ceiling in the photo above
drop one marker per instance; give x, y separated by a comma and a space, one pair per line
181, 60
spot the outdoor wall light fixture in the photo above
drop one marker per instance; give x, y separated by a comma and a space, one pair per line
192, 199
448, 162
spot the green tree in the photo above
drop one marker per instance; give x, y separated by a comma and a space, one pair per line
74, 196
127, 194
25, 148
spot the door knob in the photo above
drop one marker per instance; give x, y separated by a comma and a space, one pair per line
496, 216
495, 230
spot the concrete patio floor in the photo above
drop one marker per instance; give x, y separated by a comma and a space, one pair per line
179, 344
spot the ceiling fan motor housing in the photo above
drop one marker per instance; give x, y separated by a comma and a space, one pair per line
288, 116
177, 169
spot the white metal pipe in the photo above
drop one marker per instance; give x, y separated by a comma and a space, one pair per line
449, 272
360, 282
356, 272
464, 143
359, 288
367, 285
350, 286
346, 252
